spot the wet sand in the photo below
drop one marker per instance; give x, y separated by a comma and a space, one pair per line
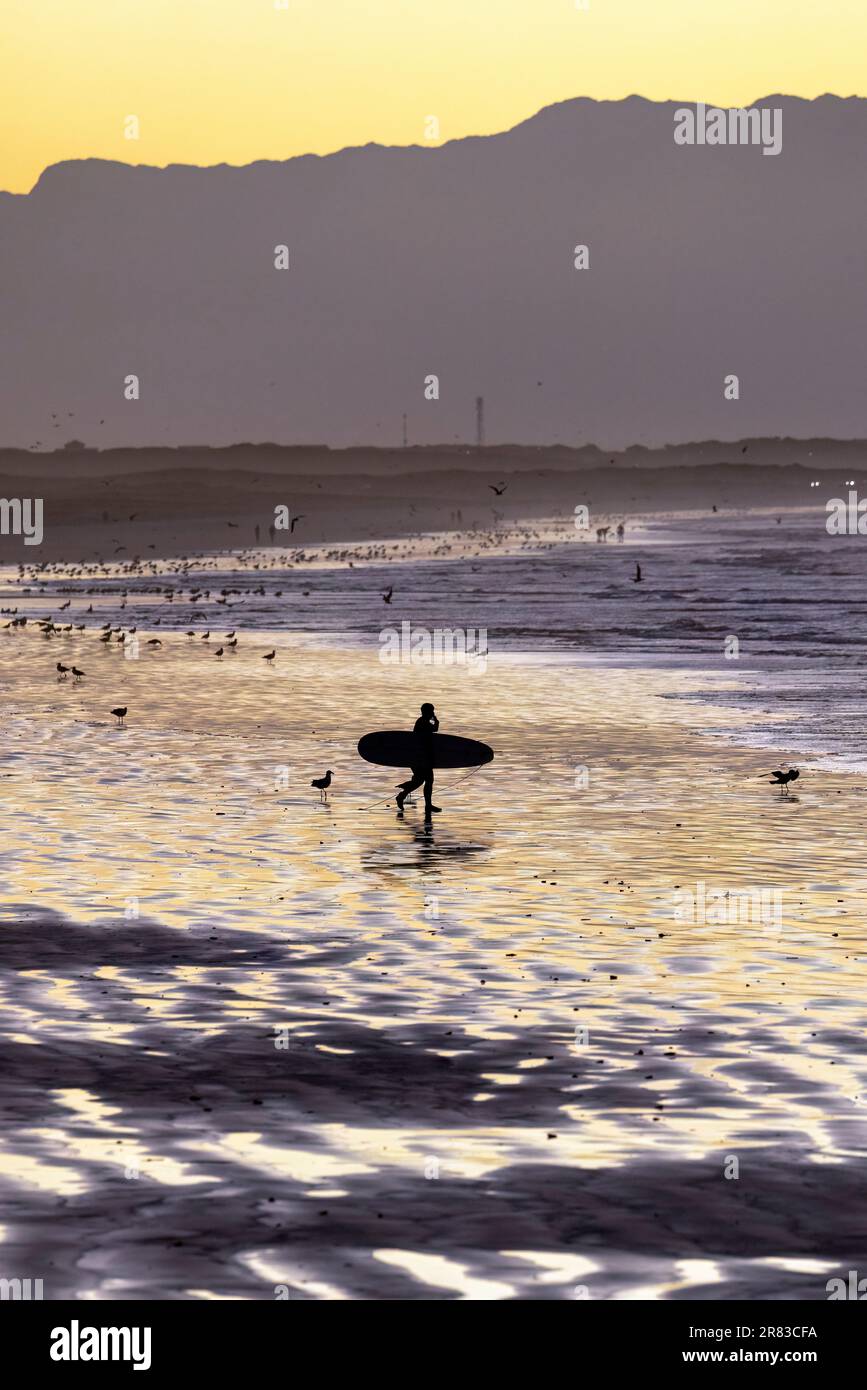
176, 902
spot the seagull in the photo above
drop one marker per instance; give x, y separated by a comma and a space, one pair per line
120, 715
323, 783
782, 779
498, 490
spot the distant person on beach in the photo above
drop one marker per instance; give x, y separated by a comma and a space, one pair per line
422, 774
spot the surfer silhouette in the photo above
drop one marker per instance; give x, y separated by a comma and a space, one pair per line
422, 750
422, 773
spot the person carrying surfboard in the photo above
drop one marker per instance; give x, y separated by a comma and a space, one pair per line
422, 774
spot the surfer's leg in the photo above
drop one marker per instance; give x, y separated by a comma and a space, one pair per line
428, 793
418, 777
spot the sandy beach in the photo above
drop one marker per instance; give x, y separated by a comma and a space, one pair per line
255, 1046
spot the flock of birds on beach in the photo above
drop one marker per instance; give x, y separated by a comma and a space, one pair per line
108, 633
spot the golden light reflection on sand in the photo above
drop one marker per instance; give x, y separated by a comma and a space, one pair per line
441, 1273
174, 907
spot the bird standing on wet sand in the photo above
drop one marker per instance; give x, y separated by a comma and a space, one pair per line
76, 674
386, 598
61, 671
120, 715
782, 779
269, 656
323, 783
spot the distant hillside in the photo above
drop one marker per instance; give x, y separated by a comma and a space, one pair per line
317, 461
455, 261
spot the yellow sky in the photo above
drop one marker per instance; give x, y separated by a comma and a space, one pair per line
236, 80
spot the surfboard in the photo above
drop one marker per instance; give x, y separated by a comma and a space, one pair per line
397, 748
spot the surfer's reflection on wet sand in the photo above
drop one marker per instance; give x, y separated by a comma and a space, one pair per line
429, 849
424, 837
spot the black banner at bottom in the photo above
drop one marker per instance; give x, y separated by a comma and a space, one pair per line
162, 1339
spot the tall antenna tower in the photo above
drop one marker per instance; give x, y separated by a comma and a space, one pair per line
480, 422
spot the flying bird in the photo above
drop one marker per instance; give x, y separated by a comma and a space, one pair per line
323, 783
498, 490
